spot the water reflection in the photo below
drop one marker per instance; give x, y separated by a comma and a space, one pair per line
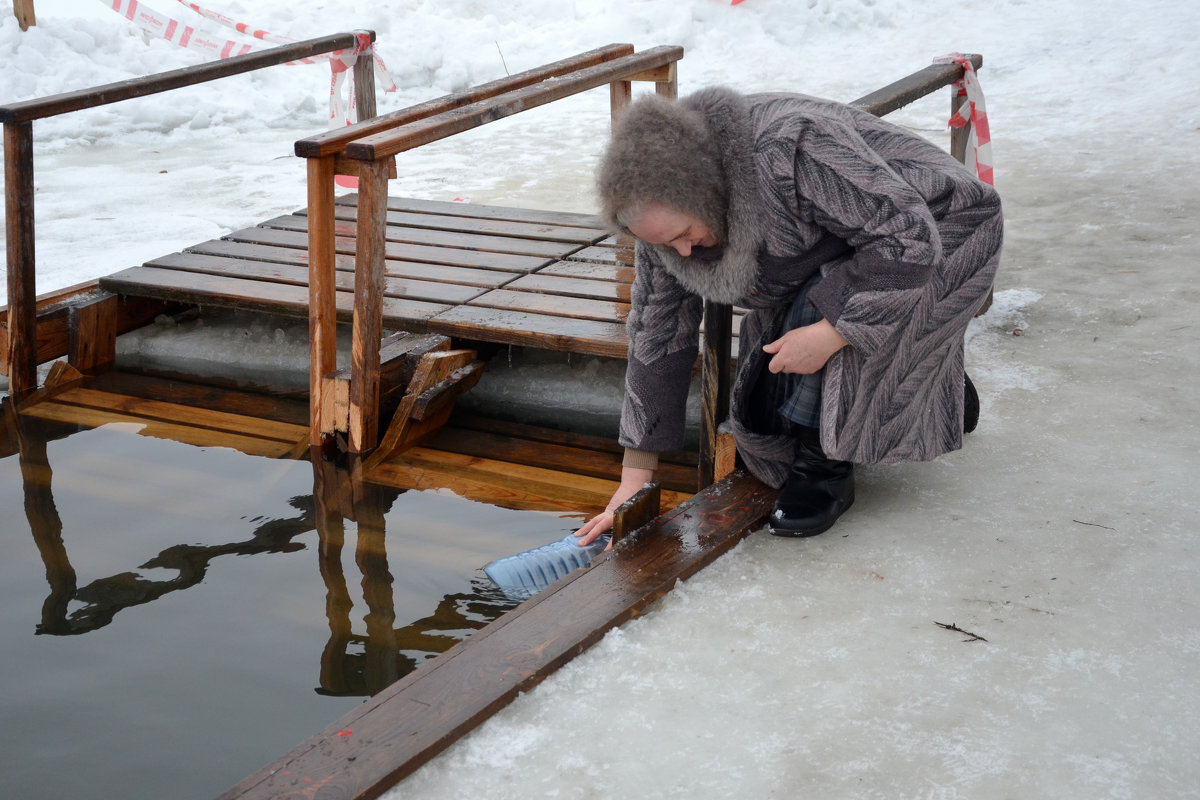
351, 664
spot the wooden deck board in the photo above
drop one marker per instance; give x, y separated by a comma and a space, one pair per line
370, 749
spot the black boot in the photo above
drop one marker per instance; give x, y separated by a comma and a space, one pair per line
817, 492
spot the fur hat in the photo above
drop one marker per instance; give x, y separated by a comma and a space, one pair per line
662, 152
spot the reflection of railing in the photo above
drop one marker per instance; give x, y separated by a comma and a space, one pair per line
387, 652
18, 118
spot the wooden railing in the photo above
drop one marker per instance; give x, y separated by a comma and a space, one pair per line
18, 121
366, 150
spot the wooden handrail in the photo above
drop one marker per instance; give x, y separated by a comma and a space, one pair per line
66, 102
448, 123
913, 87
331, 142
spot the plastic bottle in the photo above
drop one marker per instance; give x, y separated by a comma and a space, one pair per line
525, 574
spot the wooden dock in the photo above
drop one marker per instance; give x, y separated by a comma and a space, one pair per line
427, 288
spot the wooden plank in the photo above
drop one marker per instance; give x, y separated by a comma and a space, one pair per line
92, 338
479, 211
293, 410
342, 280
196, 287
400, 251
636, 511
604, 255
491, 227
460, 240
570, 286
450, 122
580, 460
416, 718
181, 414
433, 368
554, 305
334, 141
19, 239
165, 81
590, 270
200, 437
533, 330
417, 270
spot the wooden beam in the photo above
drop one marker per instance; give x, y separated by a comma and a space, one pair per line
334, 141
322, 296
371, 748
912, 87
22, 291
448, 123
714, 384
636, 511
24, 11
92, 336
370, 252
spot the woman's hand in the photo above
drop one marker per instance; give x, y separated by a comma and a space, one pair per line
632, 481
806, 349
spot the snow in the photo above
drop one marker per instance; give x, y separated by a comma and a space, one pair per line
1063, 533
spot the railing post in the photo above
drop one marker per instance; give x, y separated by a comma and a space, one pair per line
370, 252
714, 384
364, 84
959, 137
24, 11
22, 291
322, 293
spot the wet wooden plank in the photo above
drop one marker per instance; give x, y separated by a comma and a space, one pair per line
565, 334
590, 270
182, 414
479, 211
195, 287
604, 255
560, 306
571, 286
596, 462
426, 236
491, 227
298, 276
370, 749
292, 410
417, 270
187, 434
400, 251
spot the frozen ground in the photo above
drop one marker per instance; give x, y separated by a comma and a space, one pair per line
1063, 533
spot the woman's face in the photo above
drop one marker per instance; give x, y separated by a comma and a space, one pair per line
662, 225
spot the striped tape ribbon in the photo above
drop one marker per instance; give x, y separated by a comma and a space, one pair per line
176, 32
974, 113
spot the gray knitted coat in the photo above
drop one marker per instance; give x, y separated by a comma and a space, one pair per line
906, 239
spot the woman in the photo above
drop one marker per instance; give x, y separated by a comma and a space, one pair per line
862, 252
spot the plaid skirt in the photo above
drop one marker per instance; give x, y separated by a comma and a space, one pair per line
787, 398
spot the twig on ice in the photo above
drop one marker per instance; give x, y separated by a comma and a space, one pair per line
973, 637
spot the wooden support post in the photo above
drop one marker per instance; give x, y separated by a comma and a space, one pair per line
636, 511
322, 295
22, 291
959, 137
620, 95
668, 86
92, 334
24, 11
368, 307
714, 385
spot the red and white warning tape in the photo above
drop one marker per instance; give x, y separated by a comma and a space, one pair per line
174, 31
974, 112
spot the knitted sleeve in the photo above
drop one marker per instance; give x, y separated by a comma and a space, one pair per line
663, 326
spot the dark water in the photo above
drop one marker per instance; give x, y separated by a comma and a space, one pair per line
174, 617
